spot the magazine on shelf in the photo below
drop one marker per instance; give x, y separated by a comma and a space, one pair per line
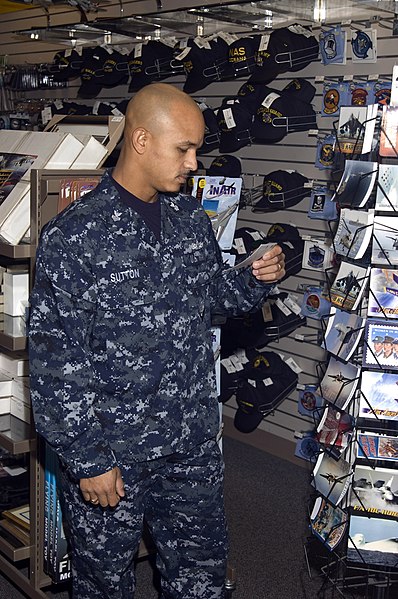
385, 240
386, 333
335, 428
339, 383
389, 132
387, 188
373, 541
343, 333
220, 198
377, 447
383, 293
351, 129
353, 233
349, 285
328, 523
374, 491
331, 478
356, 183
379, 395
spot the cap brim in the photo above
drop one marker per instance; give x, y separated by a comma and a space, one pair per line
89, 90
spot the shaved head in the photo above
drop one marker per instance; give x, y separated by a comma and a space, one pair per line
164, 127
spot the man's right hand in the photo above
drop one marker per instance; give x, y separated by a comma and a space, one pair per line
104, 490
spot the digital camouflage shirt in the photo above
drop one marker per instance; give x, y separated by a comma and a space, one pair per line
120, 346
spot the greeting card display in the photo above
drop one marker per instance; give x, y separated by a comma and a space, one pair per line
385, 240
339, 382
386, 333
348, 287
375, 491
343, 333
379, 392
356, 183
353, 233
387, 188
372, 541
383, 293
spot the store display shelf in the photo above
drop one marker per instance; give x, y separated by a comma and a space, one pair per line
12, 343
16, 436
14, 553
24, 250
23, 582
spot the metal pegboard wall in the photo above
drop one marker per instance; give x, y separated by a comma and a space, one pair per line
295, 152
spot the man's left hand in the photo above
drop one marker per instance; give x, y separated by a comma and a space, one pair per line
271, 267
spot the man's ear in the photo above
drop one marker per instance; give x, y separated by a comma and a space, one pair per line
139, 140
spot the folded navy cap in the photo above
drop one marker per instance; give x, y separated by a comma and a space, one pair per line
301, 88
151, 61
246, 240
211, 138
115, 70
201, 63
283, 232
251, 94
234, 123
225, 165
288, 49
281, 189
241, 58
64, 107
288, 237
91, 73
280, 113
266, 382
67, 64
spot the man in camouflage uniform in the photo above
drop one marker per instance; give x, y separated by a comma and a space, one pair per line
122, 369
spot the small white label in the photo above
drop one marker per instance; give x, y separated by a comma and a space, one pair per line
348, 78
115, 111
299, 337
267, 312
68, 52
267, 382
319, 78
282, 307
293, 365
313, 132
300, 30
300, 387
236, 362
264, 42
292, 305
58, 104
267, 102
256, 235
252, 383
183, 54
241, 354
228, 365
229, 119
373, 77
239, 245
138, 51
46, 115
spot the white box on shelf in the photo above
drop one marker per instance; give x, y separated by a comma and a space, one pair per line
5, 384
20, 389
5, 405
14, 363
16, 293
19, 409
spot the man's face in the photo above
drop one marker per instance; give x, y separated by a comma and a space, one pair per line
378, 346
171, 151
387, 347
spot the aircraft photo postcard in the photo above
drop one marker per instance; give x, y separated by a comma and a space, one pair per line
373, 541
374, 491
356, 183
353, 233
351, 129
379, 395
339, 382
331, 478
387, 188
343, 333
385, 240
349, 285
383, 293
372, 446
335, 428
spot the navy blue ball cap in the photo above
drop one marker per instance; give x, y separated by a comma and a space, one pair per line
67, 64
115, 70
202, 64
234, 123
148, 62
281, 113
246, 240
90, 71
266, 382
281, 189
225, 165
241, 58
251, 94
283, 232
301, 88
211, 139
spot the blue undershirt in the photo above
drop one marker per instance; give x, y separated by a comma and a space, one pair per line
150, 212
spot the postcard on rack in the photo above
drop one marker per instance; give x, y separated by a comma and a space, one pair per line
356, 183
331, 478
379, 393
339, 383
374, 491
335, 428
309, 403
318, 254
372, 541
389, 132
373, 446
385, 240
343, 333
353, 233
387, 188
351, 129
349, 285
386, 333
328, 523
383, 293
307, 448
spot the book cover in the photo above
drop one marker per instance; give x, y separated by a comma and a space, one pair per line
328, 523
339, 382
374, 491
343, 333
356, 183
372, 446
387, 188
349, 285
220, 197
61, 566
389, 132
386, 333
383, 293
379, 394
12, 169
373, 541
353, 233
331, 478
